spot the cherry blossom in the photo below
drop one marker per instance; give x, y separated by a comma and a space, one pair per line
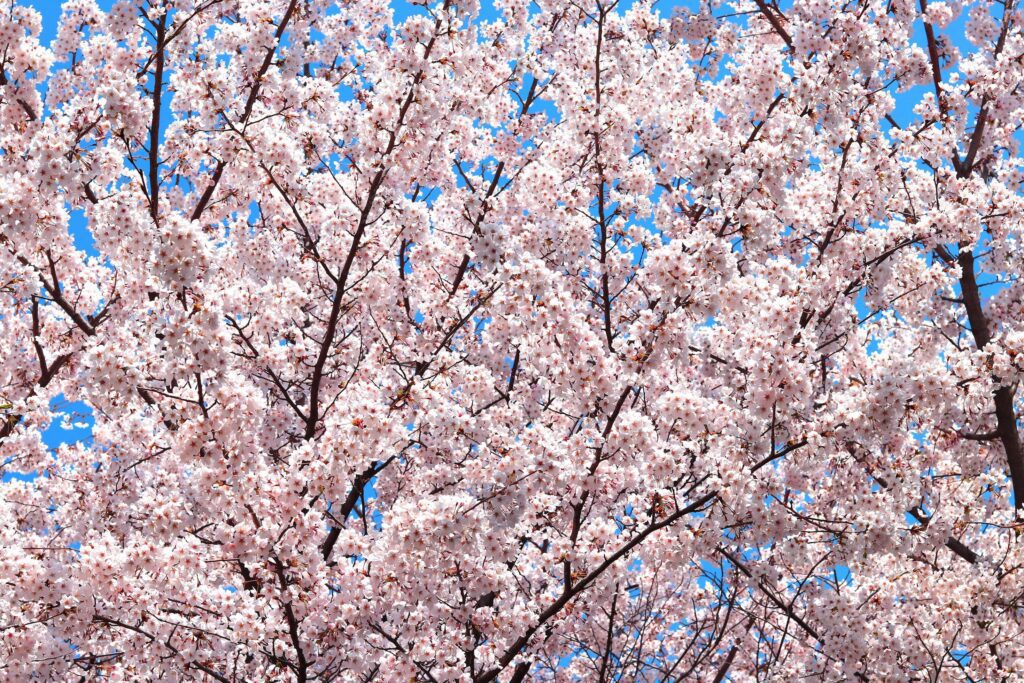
551, 341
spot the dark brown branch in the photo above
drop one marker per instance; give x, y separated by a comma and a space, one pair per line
301, 666
519, 674
953, 544
789, 448
571, 592
335, 314
726, 664
787, 609
1006, 419
773, 19
154, 127
53, 289
250, 102
933, 58
602, 675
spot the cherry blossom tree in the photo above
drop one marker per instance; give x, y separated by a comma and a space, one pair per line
562, 341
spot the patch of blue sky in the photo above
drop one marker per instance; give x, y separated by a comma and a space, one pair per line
75, 423
72, 423
78, 226
712, 574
